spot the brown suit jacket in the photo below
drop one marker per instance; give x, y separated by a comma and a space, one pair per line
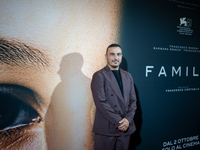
111, 106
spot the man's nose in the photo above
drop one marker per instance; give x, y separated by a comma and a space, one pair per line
115, 56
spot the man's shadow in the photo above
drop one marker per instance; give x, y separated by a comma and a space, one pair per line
135, 137
69, 115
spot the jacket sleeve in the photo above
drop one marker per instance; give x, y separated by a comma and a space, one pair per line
99, 96
132, 103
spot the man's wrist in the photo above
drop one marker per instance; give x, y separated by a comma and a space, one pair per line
127, 120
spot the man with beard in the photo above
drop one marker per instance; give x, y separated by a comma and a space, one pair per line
114, 96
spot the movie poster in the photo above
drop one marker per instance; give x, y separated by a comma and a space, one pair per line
162, 50
49, 51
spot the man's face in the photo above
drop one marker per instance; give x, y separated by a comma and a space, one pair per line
114, 57
38, 45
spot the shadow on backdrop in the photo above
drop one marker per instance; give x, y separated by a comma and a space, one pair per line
135, 137
68, 118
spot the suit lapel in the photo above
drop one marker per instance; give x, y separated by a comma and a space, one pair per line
113, 82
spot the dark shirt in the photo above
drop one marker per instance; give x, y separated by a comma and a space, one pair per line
118, 78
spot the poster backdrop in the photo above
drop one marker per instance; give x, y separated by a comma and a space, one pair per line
49, 51
161, 49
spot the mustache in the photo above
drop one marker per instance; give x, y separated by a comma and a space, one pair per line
115, 60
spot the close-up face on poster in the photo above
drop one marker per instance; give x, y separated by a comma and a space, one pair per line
49, 51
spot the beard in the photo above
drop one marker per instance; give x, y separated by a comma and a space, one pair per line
113, 65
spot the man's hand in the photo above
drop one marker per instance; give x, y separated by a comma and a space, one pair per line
124, 124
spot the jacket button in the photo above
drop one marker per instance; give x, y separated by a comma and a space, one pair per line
115, 105
129, 94
111, 94
128, 105
114, 124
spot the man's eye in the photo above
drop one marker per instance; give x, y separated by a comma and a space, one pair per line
14, 111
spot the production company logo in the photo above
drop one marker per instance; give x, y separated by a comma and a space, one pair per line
185, 26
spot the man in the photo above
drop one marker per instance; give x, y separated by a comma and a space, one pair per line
115, 100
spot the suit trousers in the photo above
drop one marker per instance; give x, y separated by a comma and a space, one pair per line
104, 142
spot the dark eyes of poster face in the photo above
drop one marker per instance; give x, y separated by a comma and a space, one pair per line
17, 107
